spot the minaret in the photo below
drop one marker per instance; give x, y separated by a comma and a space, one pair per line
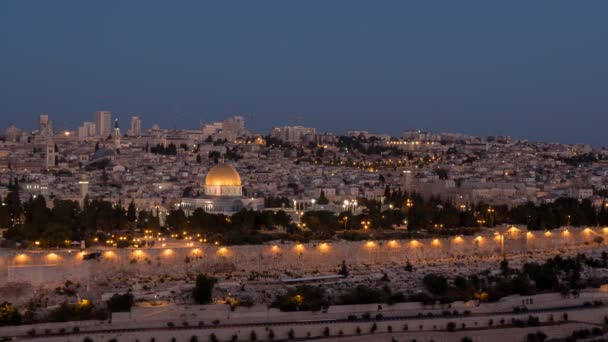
116, 135
84, 190
50, 153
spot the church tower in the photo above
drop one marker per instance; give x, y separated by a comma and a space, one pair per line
116, 135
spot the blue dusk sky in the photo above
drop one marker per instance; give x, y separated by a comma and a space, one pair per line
530, 69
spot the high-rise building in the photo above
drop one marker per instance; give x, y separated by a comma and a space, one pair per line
103, 123
87, 130
135, 129
228, 129
292, 134
50, 153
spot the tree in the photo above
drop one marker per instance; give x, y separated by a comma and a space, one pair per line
344, 269
177, 219
435, 283
322, 200
104, 177
120, 302
203, 289
131, 212
504, 266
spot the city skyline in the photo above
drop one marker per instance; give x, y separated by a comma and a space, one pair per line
389, 68
303, 171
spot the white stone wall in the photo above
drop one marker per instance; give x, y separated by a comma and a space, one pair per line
40, 267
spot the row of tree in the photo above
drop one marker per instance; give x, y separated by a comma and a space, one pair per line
433, 212
66, 221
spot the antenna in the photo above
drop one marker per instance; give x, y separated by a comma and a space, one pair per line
251, 118
296, 118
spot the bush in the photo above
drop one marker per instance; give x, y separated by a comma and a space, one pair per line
9, 315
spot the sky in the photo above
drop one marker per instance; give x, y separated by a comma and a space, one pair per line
530, 69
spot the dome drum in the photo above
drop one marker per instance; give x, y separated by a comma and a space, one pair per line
223, 180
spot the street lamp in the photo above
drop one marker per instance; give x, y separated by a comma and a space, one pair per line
491, 213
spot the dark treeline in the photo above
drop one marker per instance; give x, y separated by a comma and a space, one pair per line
557, 274
243, 227
366, 146
66, 221
435, 213
169, 150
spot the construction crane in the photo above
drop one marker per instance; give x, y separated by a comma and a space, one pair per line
251, 118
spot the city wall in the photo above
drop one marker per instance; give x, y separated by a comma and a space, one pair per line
178, 260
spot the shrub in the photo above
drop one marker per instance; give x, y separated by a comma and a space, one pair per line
9, 315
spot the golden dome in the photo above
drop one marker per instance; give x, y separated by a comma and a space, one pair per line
223, 174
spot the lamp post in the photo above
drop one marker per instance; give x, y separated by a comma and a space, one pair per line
491, 216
